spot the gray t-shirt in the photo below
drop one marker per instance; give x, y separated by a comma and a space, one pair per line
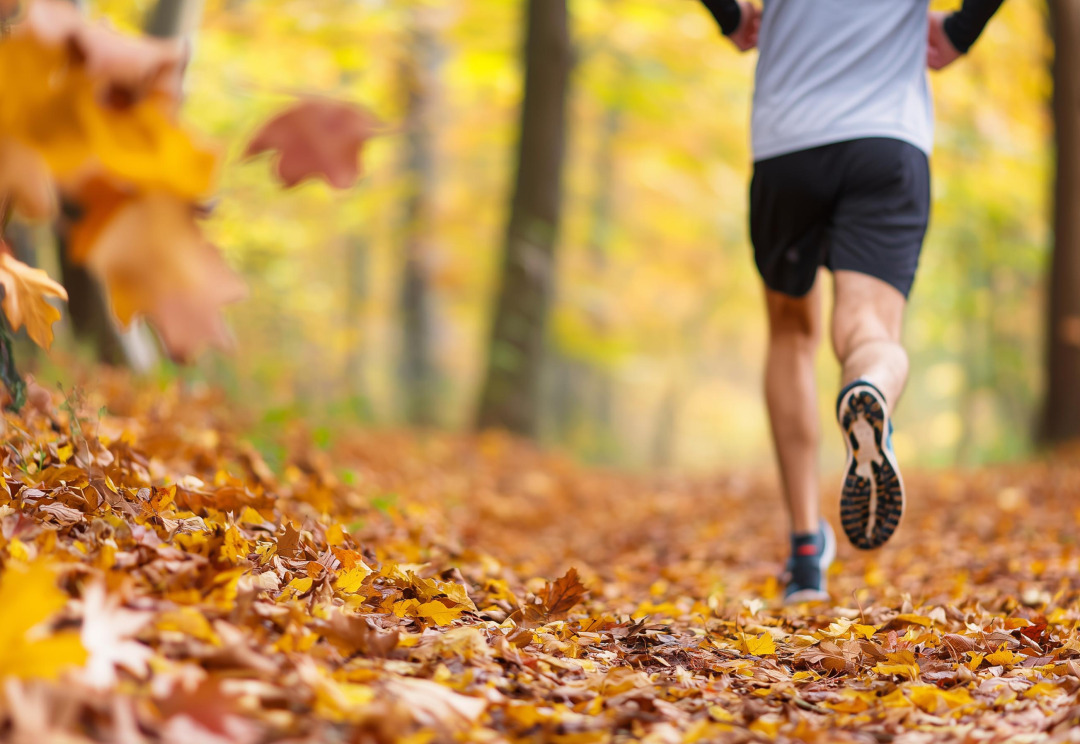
834, 70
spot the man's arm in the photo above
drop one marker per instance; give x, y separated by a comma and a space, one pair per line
738, 20
964, 26
726, 12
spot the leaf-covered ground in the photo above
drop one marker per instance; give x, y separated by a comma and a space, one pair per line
161, 583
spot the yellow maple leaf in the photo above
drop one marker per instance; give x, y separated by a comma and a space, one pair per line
438, 612
853, 701
25, 299
866, 631
335, 534
27, 598
761, 645
138, 143
295, 588
235, 548
1004, 657
902, 663
406, 607
350, 580
936, 701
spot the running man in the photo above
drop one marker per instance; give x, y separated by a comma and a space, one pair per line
842, 130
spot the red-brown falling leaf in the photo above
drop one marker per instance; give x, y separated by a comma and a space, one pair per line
316, 137
25, 179
26, 293
152, 257
129, 67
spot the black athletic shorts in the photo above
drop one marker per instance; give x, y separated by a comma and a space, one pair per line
860, 205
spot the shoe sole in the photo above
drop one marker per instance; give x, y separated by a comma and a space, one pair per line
807, 595
872, 499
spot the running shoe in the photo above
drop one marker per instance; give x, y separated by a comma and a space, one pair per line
811, 556
872, 499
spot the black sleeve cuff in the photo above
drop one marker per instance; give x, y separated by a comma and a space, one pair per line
965, 25
727, 13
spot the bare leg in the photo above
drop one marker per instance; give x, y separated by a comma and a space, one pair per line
866, 323
791, 395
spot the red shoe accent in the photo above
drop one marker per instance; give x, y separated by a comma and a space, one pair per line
806, 550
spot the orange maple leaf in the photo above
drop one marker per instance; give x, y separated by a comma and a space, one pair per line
316, 137
26, 293
152, 257
138, 142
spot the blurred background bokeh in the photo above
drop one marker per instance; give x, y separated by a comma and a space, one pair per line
656, 337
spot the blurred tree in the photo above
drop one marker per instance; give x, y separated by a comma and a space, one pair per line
419, 75
1062, 414
581, 391
509, 397
171, 18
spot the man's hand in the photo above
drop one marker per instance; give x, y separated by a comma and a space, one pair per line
745, 36
940, 51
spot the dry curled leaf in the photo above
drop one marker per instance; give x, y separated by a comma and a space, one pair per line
562, 596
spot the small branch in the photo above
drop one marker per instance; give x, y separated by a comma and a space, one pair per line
9, 374
807, 705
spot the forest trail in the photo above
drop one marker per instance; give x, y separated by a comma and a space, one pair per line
408, 587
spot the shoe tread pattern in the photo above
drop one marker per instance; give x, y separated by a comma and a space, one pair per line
856, 494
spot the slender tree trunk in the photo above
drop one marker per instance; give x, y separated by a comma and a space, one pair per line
1062, 413
579, 394
419, 376
604, 196
356, 278
88, 308
171, 18
509, 397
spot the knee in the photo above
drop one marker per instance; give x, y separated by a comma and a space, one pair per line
793, 324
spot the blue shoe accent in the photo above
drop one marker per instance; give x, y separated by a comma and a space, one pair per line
806, 575
872, 499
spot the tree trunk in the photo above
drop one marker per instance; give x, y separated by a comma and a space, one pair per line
171, 18
419, 376
1062, 413
579, 394
509, 397
356, 278
88, 308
